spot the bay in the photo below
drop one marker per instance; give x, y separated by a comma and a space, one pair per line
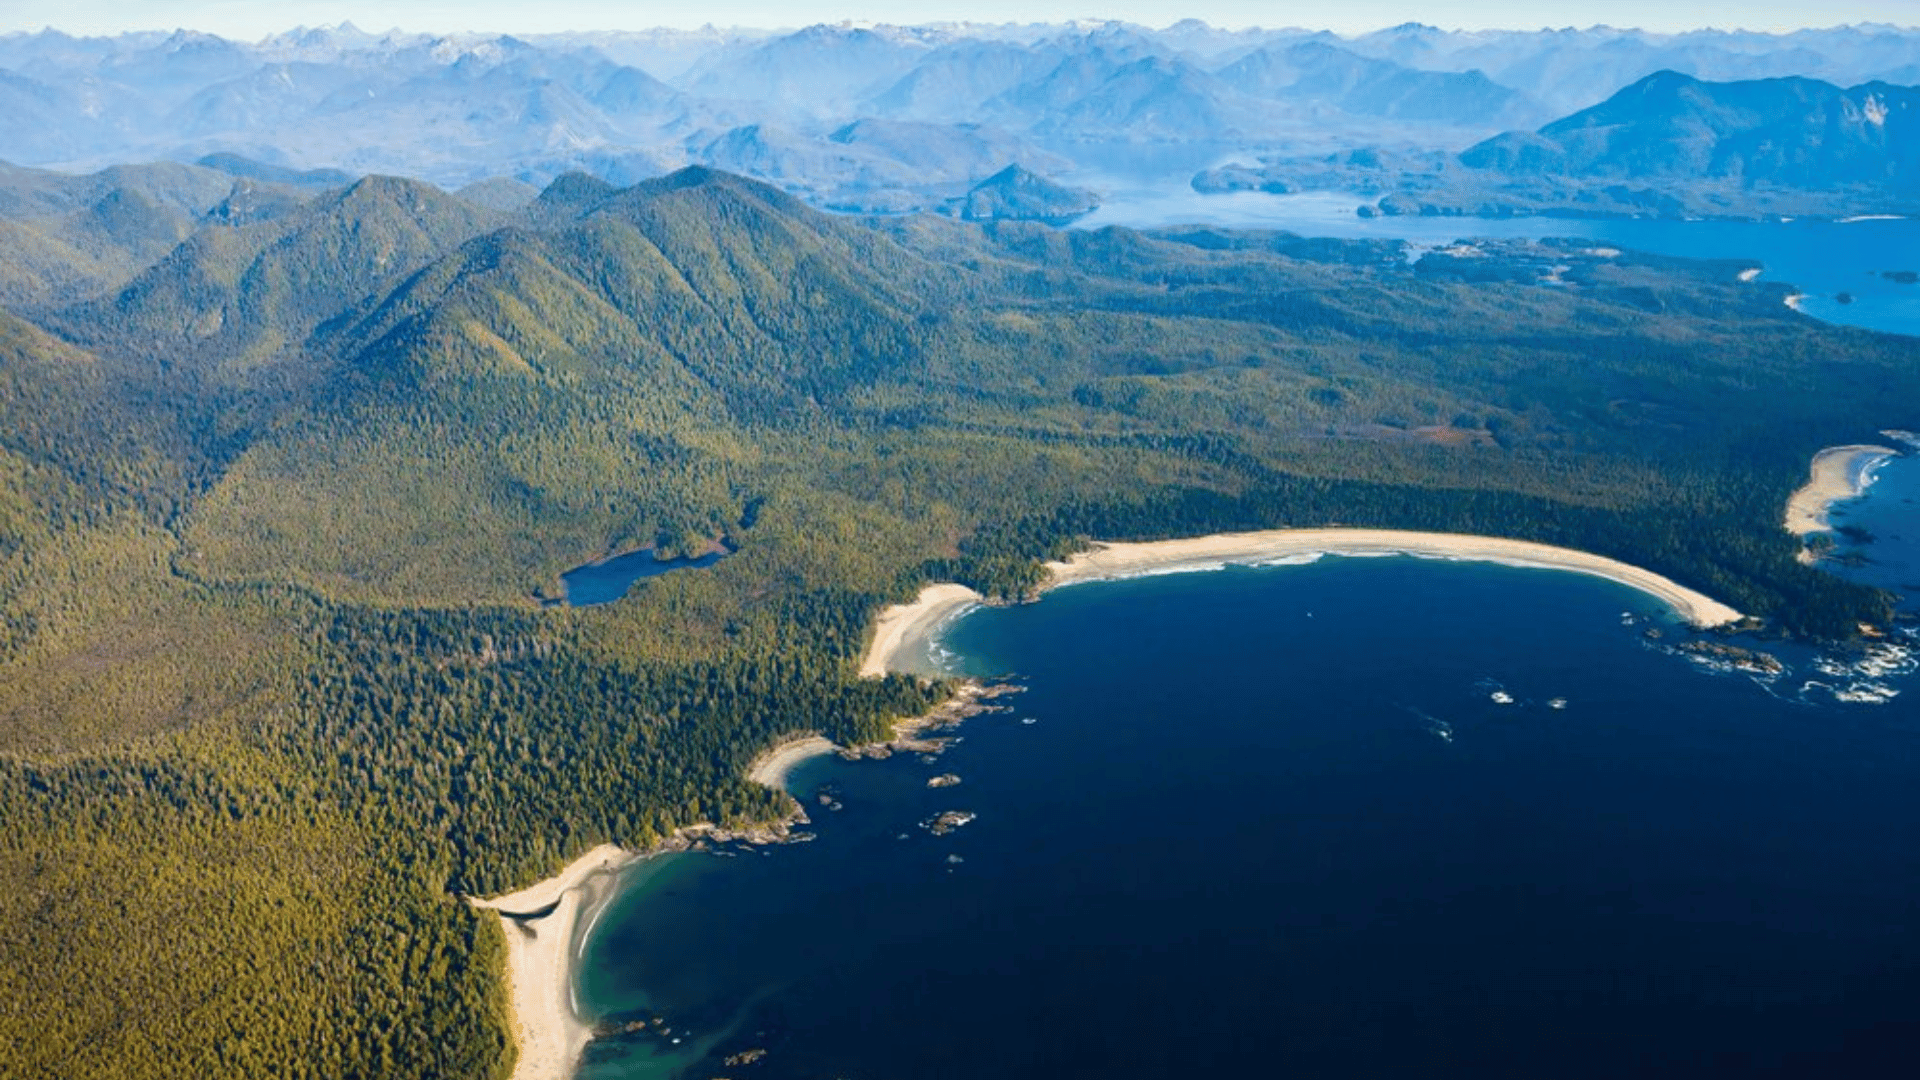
1354, 818
1286, 821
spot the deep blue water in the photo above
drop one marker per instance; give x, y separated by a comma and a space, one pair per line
1275, 823
606, 581
1822, 258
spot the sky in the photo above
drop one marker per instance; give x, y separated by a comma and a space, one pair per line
252, 19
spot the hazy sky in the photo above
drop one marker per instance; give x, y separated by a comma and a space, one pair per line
251, 19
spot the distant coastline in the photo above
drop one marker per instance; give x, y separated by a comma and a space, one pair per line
903, 629
1836, 473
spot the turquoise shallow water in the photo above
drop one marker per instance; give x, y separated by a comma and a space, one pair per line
1357, 818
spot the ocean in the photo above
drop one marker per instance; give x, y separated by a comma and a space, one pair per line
1362, 817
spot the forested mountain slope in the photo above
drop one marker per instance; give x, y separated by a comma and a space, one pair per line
276, 517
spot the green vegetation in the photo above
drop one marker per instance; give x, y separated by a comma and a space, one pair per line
274, 685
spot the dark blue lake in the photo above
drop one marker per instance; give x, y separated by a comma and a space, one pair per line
1365, 817
608, 580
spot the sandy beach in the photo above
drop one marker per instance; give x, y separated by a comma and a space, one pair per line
1838, 472
905, 624
902, 627
540, 959
771, 768
1109, 561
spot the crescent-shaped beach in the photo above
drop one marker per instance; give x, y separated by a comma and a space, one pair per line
1836, 473
902, 629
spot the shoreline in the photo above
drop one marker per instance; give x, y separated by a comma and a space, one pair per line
1835, 474
772, 768
907, 624
548, 1032
541, 921
904, 627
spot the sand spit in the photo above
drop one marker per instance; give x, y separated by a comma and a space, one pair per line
1838, 472
539, 923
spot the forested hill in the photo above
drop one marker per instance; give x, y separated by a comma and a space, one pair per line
278, 506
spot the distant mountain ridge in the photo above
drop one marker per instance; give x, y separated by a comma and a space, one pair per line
1668, 145
1062, 99
1795, 132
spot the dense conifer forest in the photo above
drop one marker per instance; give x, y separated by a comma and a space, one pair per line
282, 495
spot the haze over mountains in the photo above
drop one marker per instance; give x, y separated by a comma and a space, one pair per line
1669, 145
877, 118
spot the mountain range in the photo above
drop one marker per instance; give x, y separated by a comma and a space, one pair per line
820, 111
